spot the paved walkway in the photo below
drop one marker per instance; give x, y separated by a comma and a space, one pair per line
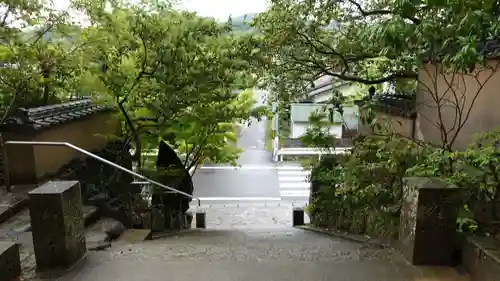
233, 255
262, 249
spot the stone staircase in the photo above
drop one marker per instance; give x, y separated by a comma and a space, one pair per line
241, 241
251, 241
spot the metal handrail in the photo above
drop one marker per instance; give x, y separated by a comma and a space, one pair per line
81, 150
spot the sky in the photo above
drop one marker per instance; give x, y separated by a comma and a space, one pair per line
222, 9
219, 9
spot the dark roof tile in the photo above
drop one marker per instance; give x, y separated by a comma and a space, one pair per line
51, 115
392, 104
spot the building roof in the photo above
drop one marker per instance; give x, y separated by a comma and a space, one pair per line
392, 104
323, 84
43, 117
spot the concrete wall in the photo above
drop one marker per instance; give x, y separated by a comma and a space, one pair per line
31, 164
478, 93
400, 125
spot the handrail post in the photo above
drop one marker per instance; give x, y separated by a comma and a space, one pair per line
102, 160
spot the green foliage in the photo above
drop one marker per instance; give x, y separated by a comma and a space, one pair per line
172, 75
215, 126
39, 67
369, 180
347, 39
373, 42
318, 133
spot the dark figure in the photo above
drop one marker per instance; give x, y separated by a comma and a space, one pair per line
371, 92
171, 172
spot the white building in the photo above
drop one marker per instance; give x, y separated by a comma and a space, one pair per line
319, 95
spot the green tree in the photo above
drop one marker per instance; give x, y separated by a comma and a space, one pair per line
39, 66
170, 73
216, 126
377, 41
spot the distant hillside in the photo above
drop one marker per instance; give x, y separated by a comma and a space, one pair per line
242, 23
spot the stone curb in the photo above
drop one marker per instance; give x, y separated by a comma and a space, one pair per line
371, 242
13, 210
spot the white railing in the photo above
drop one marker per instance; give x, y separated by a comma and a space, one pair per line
83, 151
305, 151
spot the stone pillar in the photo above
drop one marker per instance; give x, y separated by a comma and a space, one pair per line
57, 222
298, 216
10, 262
428, 221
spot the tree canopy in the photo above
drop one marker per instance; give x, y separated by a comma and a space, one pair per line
171, 74
373, 41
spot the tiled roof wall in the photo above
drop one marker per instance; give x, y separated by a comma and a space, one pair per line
393, 104
46, 116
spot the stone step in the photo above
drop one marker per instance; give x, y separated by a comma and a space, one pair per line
20, 221
13, 202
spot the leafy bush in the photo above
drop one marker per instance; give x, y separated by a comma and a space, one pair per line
364, 189
365, 186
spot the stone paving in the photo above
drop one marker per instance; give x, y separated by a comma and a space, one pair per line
266, 247
286, 254
252, 241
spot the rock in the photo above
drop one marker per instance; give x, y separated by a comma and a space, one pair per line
112, 228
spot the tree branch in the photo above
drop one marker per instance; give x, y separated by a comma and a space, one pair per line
380, 80
381, 12
5, 16
316, 66
140, 75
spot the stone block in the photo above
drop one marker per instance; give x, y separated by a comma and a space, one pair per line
481, 258
201, 221
298, 216
57, 225
428, 221
10, 262
488, 267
